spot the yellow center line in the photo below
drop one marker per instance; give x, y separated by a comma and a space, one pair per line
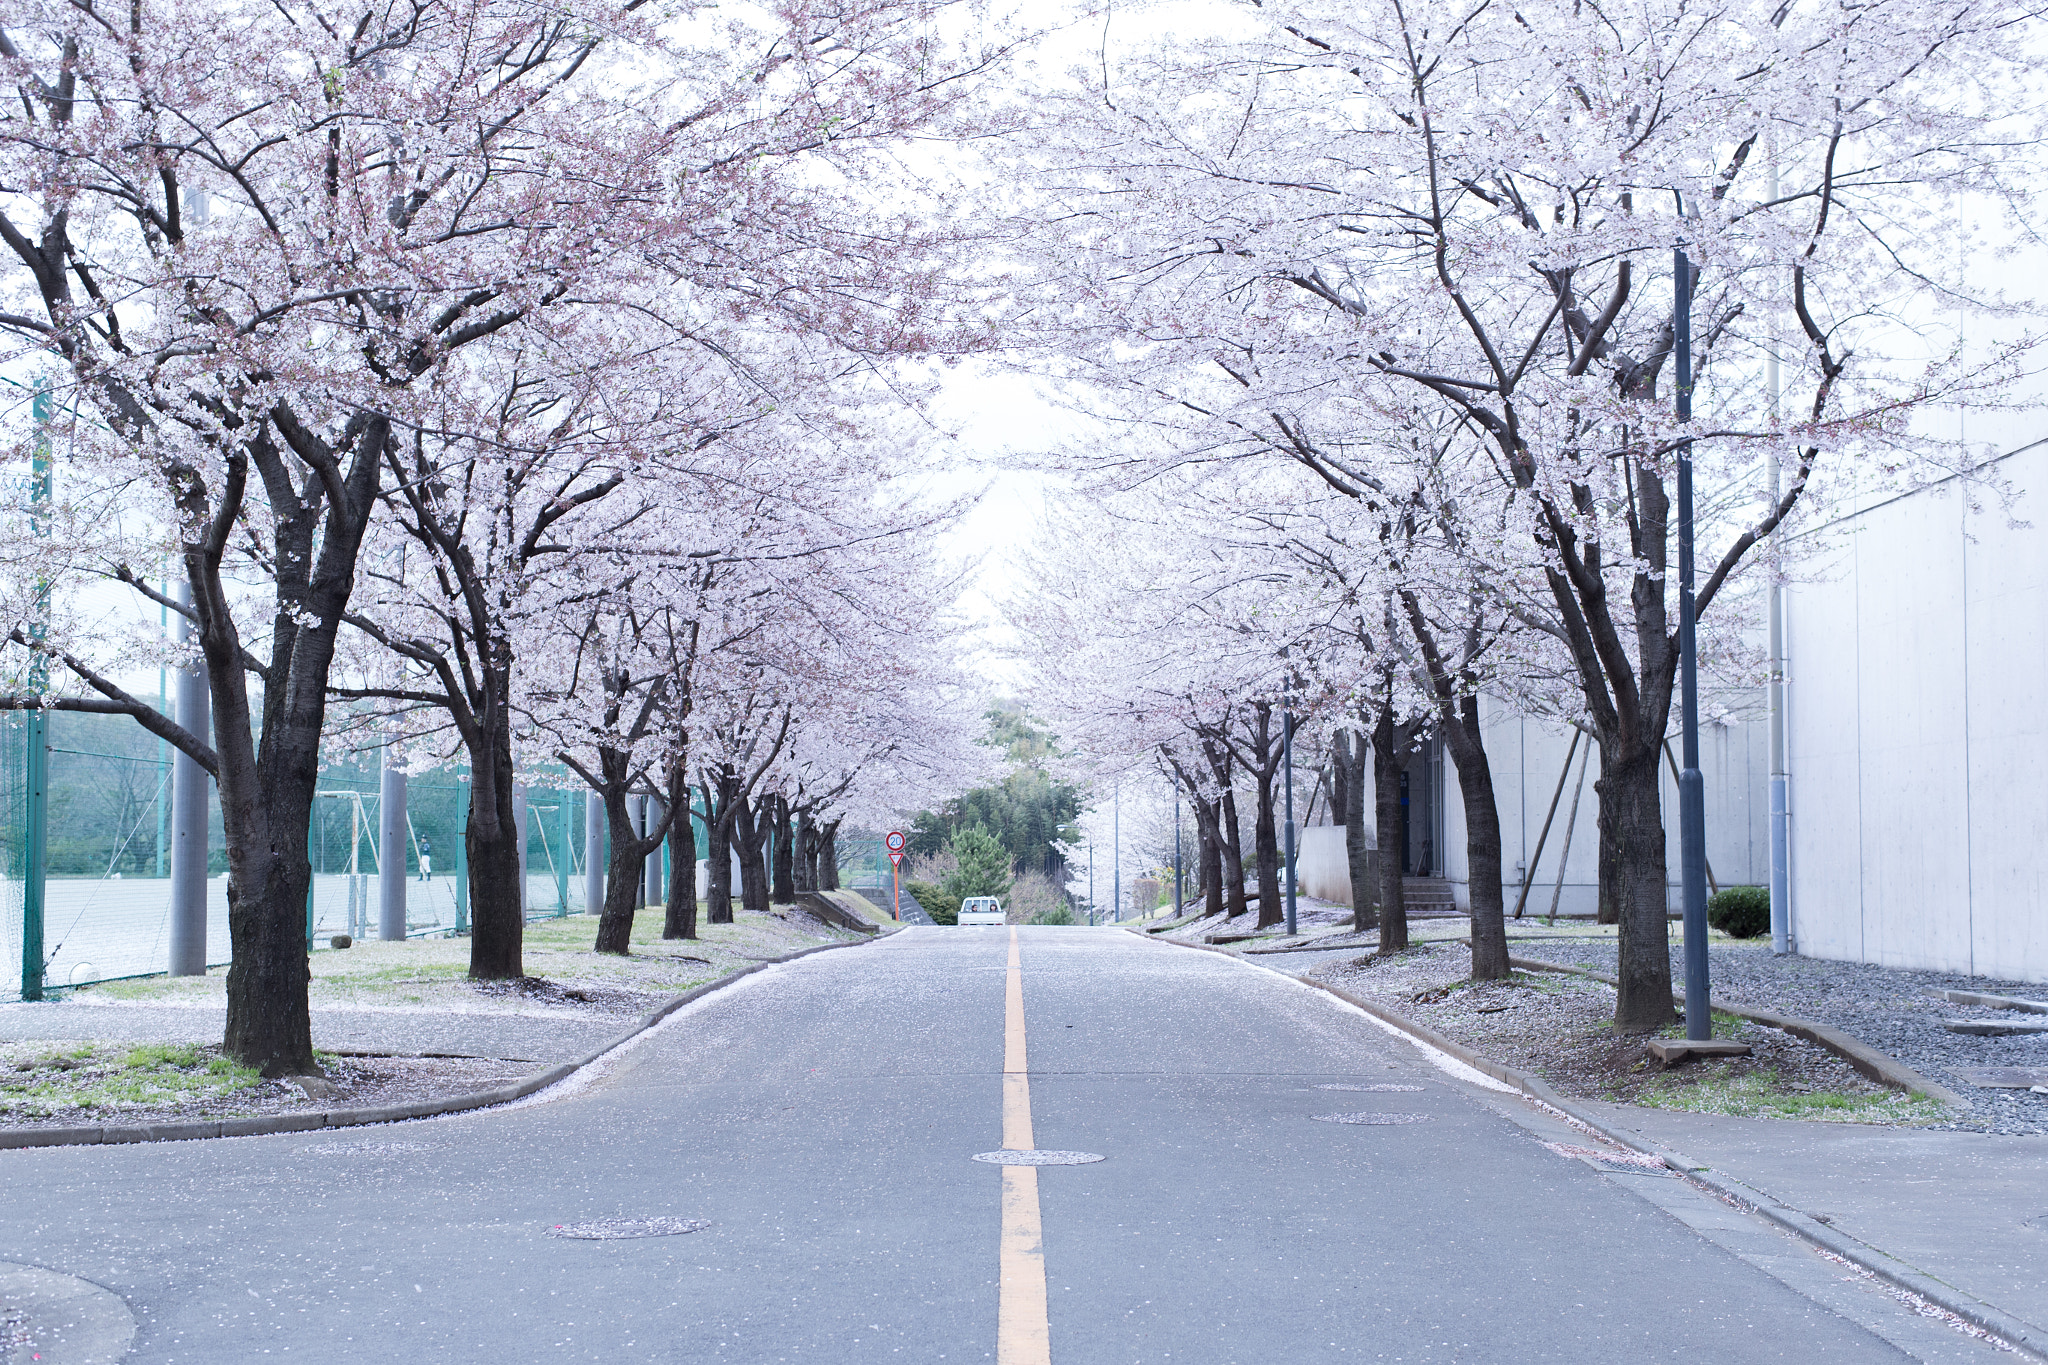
1023, 1335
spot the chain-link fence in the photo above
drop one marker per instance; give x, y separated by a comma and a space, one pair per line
106, 891
107, 888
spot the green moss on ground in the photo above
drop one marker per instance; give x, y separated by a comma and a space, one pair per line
1765, 1094
42, 1082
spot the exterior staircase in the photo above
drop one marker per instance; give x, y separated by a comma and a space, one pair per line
1428, 898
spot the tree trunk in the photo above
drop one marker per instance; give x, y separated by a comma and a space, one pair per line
1388, 756
806, 870
1272, 905
1210, 854
1233, 854
1629, 786
497, 903
1462, 734
680, 921
1608, 904
269, 1024
718, 855
1359, 859
749, 836
268, 774
1212, 873
626, 870
621, 878
828, 856
776, 808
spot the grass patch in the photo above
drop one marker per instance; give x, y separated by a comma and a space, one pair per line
1724, 1026
432, 973
1765, 1094
113, 1077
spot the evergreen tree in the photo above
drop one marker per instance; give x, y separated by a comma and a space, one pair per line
984, 867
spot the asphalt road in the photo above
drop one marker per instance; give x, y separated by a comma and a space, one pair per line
822, 1116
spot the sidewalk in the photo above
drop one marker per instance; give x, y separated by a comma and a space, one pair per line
1968, 1209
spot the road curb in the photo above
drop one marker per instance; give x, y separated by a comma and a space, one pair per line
302, 1122
1867, 1060
2022, 1337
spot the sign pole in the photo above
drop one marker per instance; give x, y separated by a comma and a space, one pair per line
894, 843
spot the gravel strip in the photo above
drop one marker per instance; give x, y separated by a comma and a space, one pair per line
1896, 1011
1561, 1028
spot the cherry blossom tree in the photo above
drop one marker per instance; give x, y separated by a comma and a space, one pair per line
1389, 207
247, 235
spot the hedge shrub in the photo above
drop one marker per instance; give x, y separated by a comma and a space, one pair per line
1740, 911
942, 909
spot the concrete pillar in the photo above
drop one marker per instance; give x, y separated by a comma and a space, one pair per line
189, 788
392, 832
650, 874
636, 816
593, 854
519, 823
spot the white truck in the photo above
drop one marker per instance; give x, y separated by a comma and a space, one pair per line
982, 910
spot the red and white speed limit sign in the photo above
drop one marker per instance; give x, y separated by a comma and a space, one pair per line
895, 841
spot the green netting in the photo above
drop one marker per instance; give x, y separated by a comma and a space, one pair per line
106, 910
13, 785
107, 900
863, 862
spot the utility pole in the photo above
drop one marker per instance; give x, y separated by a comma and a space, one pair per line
1091, 882
519, 825
36, 812
1287, 762
1176, 849
593, 854
188, 813
391, 832
1692, 804
1116, 834
163, 752
1781, 848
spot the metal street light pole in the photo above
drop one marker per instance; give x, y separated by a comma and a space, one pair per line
1116, 856
1692, 804
1287, 761
1176, 849
1781, 879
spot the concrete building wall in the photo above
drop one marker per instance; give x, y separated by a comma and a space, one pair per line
1321, 865
1917, 720
1527, 755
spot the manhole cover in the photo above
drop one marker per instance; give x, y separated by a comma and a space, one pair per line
1388, 1089
615, 1229
1372, 1118
1037, 1158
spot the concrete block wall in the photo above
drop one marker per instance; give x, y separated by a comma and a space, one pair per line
1918, 733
